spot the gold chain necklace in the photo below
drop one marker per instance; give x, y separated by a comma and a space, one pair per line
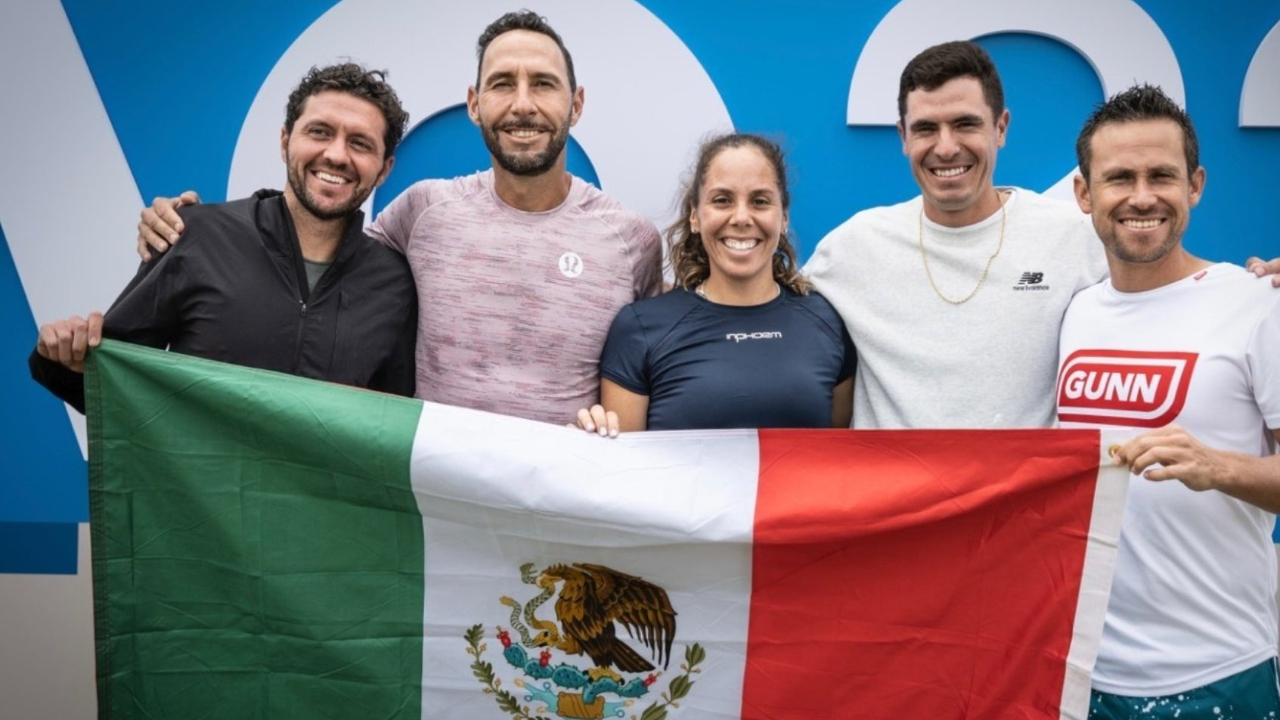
981, 279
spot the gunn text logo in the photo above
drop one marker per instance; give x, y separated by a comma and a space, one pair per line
1124, 387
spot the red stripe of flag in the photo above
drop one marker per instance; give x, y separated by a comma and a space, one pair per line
904, 576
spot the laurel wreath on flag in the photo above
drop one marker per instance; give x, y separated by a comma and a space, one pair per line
483, 670
678, 689
680, 686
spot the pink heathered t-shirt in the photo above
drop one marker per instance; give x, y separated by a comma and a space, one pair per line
514, 307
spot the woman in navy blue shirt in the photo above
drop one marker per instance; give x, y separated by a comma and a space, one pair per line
741, 341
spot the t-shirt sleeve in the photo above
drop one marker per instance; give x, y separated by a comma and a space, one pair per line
850, 355
625, 359
1263, 357
646, 266
394, 225
824, 265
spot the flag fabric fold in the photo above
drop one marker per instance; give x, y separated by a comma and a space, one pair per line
267, 546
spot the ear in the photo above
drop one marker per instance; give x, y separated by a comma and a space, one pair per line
284, 144
1002, 127
386, 170
902, 135
575, 110
1082, 194
693, 219
1197, 186
473, 105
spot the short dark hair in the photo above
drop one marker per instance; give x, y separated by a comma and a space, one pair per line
936, 66
354, 80
687, 253
522, 20
1140, 102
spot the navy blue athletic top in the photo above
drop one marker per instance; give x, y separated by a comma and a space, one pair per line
704, 365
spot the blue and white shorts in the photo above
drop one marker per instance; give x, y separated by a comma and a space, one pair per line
1250, 695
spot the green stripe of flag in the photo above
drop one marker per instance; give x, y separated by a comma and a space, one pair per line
270, 569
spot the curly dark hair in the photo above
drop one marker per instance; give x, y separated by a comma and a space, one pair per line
522, 20
936, 66
357, 81
1140, 102
687, 255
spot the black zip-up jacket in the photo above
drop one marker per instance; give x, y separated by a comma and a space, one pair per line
234, 289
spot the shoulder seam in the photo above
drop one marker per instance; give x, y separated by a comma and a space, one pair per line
628, 246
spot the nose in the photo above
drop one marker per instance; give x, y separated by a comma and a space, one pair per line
335, 153
522, 104
947, 146
1143, 198
741, 213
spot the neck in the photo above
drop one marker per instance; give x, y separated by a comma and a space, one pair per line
723, 291
318, 239
533, 193
1140, 277
988, 204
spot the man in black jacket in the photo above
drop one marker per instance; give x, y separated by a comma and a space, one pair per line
280, 281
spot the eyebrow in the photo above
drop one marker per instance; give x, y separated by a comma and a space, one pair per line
1117, 173
925, 124
763, 190
499, 75
1125, 172
325, 124
511, 75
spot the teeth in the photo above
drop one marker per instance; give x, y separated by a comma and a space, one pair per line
1142, 224
525, 134
950, 172
331, 179
733, 244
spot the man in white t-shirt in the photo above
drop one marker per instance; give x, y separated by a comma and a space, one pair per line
520, 269
954, 298
1191, 625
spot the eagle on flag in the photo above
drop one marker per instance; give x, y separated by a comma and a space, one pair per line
594, 597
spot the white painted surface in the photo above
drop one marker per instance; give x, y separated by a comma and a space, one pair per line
46, 644
62, 124
1259, 101
1127, 47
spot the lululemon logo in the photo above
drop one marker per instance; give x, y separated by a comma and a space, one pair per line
570, 265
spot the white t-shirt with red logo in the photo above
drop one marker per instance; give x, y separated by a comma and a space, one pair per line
1193, 599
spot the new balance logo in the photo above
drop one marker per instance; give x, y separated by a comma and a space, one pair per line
739, 337
1124, 387
1031, 281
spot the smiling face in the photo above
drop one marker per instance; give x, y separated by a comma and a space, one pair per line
334, 155
1140, 191
524, 106
951, 137
740, 216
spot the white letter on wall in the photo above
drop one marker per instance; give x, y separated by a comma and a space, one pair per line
1118, 38
648, 99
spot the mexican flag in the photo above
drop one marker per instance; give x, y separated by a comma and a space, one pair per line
271, 547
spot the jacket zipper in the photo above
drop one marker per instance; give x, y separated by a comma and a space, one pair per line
297, 345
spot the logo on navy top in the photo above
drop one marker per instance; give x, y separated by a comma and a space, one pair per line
1124, 387
1031, 281
767, 335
